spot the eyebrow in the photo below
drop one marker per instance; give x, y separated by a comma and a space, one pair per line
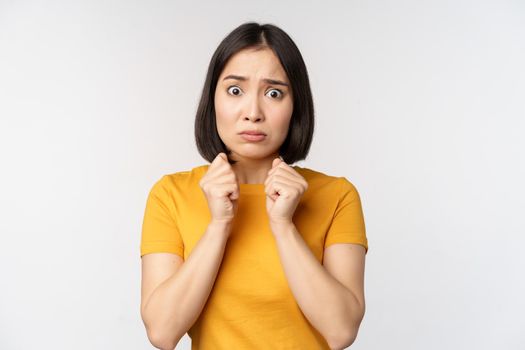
266, 80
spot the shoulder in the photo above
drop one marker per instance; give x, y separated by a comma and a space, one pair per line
318, 180
182, 179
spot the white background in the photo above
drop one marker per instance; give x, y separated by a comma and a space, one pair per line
420, 104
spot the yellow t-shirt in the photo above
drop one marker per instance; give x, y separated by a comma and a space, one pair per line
251, 305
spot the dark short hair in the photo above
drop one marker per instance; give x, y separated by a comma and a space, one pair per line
254, 35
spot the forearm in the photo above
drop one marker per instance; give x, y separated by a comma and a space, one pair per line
326, 303
176, 303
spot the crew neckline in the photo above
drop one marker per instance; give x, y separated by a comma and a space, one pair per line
251, 188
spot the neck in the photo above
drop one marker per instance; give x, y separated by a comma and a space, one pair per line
252, 171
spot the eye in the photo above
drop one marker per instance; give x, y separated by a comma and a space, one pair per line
234, 88
278, 94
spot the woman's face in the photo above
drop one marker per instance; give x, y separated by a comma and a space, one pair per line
253, 93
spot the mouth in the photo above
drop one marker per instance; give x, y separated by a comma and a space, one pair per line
254, 132
253, 136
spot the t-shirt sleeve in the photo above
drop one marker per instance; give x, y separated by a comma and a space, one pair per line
348, 224
160, 233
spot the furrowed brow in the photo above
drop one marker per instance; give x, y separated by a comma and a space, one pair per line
266, 80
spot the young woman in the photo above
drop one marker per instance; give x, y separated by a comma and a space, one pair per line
250, 252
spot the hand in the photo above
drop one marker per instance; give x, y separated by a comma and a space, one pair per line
284, 188
221, 189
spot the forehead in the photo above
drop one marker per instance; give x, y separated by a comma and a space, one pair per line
259, 63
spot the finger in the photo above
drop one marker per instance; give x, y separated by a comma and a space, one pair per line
223, 158
289, 173
275, 163
221, 161
286, 180
284, 167
282, 187
216, 161
272, 190
221, 173
281, 173
226, 190
223, 176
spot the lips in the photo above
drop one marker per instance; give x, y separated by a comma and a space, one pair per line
253, 137
252, 132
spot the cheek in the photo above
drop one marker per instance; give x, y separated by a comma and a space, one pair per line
224, 110
221, 115
218, 107
281, 118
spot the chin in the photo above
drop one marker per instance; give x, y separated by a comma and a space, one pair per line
255, 154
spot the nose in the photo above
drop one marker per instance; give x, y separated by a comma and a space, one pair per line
253, 109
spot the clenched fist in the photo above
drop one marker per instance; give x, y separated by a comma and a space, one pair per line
284, 188
221, 189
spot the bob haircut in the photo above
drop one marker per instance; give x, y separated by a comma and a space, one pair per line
253, 35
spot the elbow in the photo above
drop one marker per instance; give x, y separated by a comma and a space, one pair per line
342, 340
346, 336
158, 336
161, 341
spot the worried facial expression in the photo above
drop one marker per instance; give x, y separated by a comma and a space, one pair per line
253, 93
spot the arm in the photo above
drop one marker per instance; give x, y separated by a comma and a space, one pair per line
334, 304
172, 304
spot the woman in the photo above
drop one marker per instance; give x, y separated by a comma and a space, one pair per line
250, 252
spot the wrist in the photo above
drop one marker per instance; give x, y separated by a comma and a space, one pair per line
281, 225
221, 223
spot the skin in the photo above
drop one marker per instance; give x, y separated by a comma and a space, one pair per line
330, 295
250, 104
253, 104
